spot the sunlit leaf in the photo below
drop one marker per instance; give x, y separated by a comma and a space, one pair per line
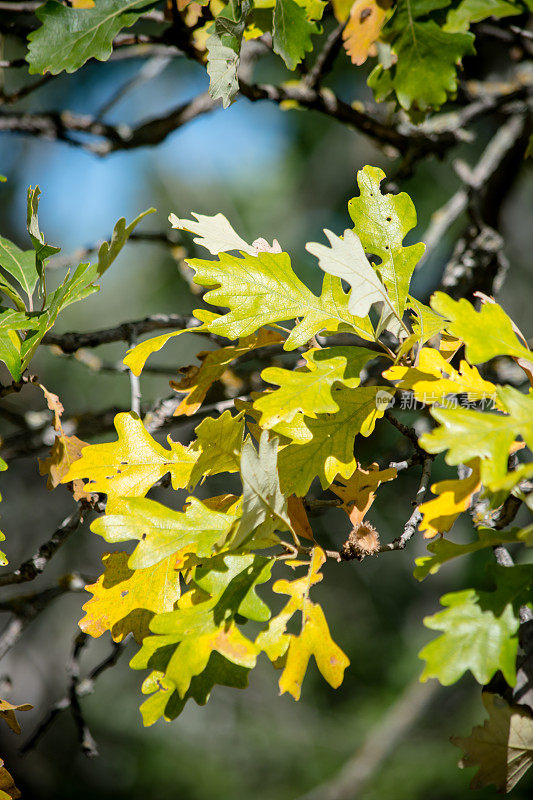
125, 600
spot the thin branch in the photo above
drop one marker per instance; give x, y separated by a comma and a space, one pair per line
26, 607
505, 138
16, 386
125, 332
82, 688
35, 565
326, 58
411, 526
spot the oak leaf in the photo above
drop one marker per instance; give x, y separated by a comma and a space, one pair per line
309, 390
7, 713
454, 497
125, 600
161, 531
313, 640
359, 491
131, 465
196, 381
367, 18
324, 447
502, 748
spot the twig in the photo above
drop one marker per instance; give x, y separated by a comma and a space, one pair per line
505, 138
85, 738
35, 565
161, 413
27, 607
411, 526
82, 689
326, 58
125, 332
16, 386
405, 430
135, 386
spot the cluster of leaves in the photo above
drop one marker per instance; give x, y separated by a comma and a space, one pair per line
29, 310
33, 309
419, 45
188, 590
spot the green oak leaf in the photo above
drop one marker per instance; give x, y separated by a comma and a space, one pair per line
201, 625
424, 73
329, 448
21, 265
479, 629
474, 638
309, 390
263, 289
43, 250
467, 12
382, 221
233, 580
292, 31
219, 443
68, 37
166, 702
443, 550
465, 433
162, 531
487, 333
426, 322
121, 233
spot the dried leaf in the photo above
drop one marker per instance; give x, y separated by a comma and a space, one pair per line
367, 18
502, 748
7, 713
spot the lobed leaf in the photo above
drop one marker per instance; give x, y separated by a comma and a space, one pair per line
502, 748
161, 531
263, 289
132, 464
487, 333
68, 37
310, 391
327, 448
125, 600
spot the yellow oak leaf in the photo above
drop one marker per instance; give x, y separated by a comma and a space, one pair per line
132, 464
313, 640
434, 378
367, 18
8, 790
196, 381
125, 600
7, 713
449, 345
341, 9
359, 491
454, 497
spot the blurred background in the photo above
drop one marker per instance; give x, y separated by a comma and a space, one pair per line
274, 173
